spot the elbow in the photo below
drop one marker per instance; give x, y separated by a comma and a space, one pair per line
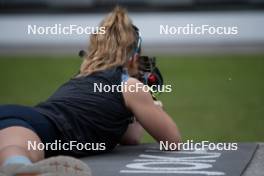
177, 136
170, 145
178, 139
134, 142
172, 141
174, 136
131, 141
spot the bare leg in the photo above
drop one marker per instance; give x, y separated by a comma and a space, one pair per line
13, 141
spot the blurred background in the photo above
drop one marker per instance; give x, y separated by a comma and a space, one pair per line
218, 80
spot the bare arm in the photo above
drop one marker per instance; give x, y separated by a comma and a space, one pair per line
152, 118
133, 134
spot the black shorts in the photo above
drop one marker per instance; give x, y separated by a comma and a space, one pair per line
23, 116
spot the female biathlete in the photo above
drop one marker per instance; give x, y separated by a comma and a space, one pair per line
76, 112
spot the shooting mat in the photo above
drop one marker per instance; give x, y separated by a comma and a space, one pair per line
147, 159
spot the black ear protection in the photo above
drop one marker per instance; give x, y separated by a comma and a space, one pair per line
139, 41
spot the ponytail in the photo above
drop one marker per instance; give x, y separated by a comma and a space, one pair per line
114, 47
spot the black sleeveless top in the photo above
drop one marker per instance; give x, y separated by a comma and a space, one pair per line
85, 115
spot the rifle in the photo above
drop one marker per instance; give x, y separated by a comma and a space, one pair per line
150, 75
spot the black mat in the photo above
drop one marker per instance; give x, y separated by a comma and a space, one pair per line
147, 159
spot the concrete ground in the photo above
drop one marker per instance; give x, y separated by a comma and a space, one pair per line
147, 159
256, 166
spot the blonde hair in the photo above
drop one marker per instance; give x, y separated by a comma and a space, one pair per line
114, 47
